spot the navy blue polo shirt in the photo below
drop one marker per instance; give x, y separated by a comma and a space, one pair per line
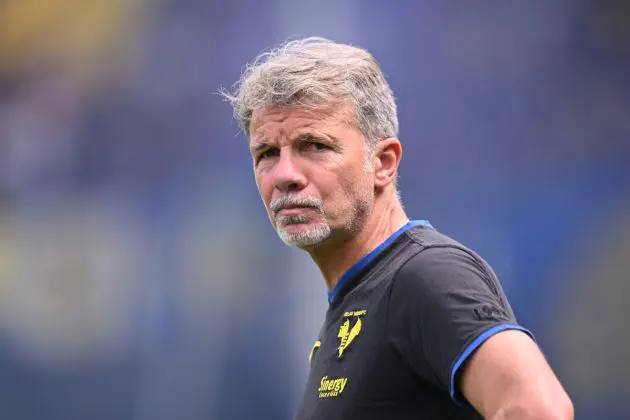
401, 324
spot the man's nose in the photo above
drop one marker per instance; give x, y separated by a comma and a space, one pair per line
287, 174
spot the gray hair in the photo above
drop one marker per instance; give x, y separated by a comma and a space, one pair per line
315, 72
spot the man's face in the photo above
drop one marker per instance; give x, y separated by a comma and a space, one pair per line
311, 172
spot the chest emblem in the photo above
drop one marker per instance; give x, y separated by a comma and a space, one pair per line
349, 330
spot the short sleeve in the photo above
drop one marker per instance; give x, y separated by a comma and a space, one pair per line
444, 303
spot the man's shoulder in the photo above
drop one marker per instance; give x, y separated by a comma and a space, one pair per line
428, 237
437, 257
429, 247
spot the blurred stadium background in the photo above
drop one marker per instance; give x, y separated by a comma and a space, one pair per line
139, 276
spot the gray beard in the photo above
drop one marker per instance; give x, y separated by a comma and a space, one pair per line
307, 237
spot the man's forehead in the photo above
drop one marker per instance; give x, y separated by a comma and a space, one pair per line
287, 119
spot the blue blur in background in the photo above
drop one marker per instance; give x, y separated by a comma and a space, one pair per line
139, 275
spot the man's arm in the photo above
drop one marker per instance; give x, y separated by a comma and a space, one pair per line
449, 321
507, 377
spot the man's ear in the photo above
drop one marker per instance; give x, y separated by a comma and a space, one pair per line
385, 162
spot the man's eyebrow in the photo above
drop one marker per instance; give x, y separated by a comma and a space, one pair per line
316, 137
258, 147
304, 137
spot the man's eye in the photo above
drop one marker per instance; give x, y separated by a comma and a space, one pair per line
268, 153
317, 146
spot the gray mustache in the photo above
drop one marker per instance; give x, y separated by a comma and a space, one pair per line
279, 203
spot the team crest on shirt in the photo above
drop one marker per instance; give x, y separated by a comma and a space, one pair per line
349, 330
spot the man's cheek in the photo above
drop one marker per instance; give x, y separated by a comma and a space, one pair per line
263, 189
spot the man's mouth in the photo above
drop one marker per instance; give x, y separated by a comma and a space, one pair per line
293, 210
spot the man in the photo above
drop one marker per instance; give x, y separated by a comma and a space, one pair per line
418, 326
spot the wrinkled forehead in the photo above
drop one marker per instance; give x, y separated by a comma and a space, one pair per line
278, 121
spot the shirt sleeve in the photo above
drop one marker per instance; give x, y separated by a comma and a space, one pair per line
444, 303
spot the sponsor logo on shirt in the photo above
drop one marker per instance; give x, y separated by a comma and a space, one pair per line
332, 387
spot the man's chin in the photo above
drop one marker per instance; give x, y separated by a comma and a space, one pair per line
303, 236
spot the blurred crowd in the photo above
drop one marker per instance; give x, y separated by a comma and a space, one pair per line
139, 277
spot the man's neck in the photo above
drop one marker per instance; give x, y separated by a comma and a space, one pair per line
335, 260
